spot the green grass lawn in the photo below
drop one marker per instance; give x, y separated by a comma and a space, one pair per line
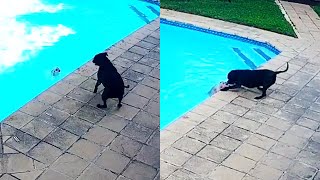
263, 14
317, 9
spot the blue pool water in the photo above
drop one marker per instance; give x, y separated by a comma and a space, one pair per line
39, 35
193, 61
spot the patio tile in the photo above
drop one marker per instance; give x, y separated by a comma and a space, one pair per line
62, 88
292, 108
154, 140
146, 45
139, 50
53, 175
285, 150
225, 117
175, 156
236, 133
126, 146
81, 94
235, 109
68, 105
75, 79
135, 100
149, 62
100, 135
155, 73
28, 175
276, 161
151, 82
312, 115
38, 128
89, 85
54, 116
139, 171
113, 122
45, 153
112, 161
69, 165
166, 169
301, 131
214, 154
293, 140
34, 108
85, 149
301, 170
131, 56
188, 145
76, 126
247, 124
123, 62
12, 163
150, 156
61, 138
313, 147
225, 173
279, 123
256, 116
137, 132
146, 119
239, 163
144, 91
49, 97
87, 70
251, 152
202, 134
23, 141
288, 116
18, 119
127, 112
153, 107
309, 158
90, 113
270, 131
141, 68
264, 172
225, 142
7, 177
94, 172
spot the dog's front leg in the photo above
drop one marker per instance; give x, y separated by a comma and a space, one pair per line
96, 86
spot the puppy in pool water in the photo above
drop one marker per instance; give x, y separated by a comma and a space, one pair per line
261, 79
110, 78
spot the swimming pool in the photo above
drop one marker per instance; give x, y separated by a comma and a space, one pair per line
194, 59
39, 35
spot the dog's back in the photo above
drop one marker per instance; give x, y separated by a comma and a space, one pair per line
252, 78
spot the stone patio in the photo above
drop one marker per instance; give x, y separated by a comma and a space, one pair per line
232, 136
62, 135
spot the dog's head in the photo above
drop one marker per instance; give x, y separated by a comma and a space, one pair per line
232, 77
101, 59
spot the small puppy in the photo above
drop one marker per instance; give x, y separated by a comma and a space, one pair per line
261, 79
110, 78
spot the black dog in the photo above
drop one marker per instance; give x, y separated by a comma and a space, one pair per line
261, 79
110, 78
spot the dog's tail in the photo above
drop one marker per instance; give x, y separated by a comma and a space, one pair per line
278, 72
127, 86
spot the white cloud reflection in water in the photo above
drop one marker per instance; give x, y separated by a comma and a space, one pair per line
18, 40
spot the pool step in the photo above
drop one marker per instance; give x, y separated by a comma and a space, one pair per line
140, 14
261, 53
245, 58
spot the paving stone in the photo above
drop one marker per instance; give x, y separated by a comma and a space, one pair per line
123, 178
214, 154
194, 117
68, 105
280, 96
25, 141
303, 171
126, 146
273, 102
76, 126
131, 56
75, 79
288, 116
285, 150
155, 73
264, 172
85, 149
126, 63
87, 70
90, 114
239, 163
141, 68
81, 94
28, 175
49, 97
34, 108
301, 131
287, 176
313, 147
113, 122
276, 161
225, 173
54, 116
151, 82
251, 152
38, 128
225, 142
166, 169
154, 55
7, 177
150, 156
174, 156
149, 61
236, 133
189, 145
144, 91
127, 112
61, 138
100, 135
69, 165
154, 140
62, 88
53, 175
133, 75
214, 125
256, 116
293, 140
244, 102
199, 165
204, 110
112, 161
270, 131
12, 163
153, 108
309, 94
247, 124
312, 115
18, 119
139, 50
316, 137
152, 40
137, 132
279, 123
202, 134
146, 45
225, 117
89, 85
183, 174
135, 100
96, 173
45, 153
264, 108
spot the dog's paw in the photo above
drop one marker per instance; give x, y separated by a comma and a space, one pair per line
224, 89
119, 105
101, 106
94, 91
259, 97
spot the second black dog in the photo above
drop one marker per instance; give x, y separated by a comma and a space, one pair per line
261, 79
110, 78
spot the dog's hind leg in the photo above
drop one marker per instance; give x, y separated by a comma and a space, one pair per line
105, 96
264, 91
119, 103
96, 86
